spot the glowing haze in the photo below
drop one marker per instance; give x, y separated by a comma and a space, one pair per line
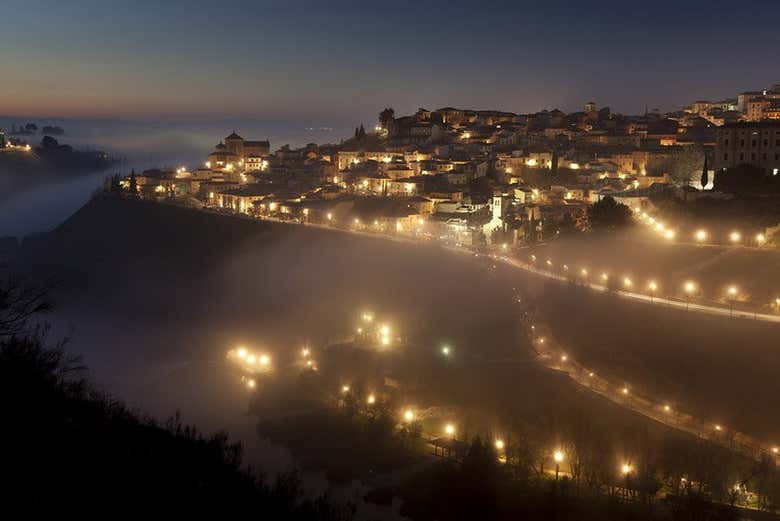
344, 60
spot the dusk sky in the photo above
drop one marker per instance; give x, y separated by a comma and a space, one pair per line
342, 61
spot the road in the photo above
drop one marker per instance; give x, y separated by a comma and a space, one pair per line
647, 299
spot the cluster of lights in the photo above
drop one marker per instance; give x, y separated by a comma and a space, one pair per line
250, 359
23, 148
306, 355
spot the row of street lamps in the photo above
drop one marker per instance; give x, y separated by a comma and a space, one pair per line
625, 391
700, 236
690, 287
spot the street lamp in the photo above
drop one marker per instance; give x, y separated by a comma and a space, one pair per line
732, 291
445, 351
449, 430
627, 282
735, 237
558, 458
345, 389
626, 469
371, 399
409, 415
690, 288
652, 287
700, 235
499, 444
760, 239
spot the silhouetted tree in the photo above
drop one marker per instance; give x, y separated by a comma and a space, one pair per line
49, 143
386, 117
739, 179
685, 163
608, 214
705, 174
133, 187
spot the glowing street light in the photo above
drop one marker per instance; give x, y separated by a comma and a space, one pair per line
776, 450
445, 351
669, 234
564, 358
652, 286
690, 289
265, 360
449, 430
626, 469
408, 415
305, 352
718, 427
558, 458
627, 282
624, 390
241, 352
384, 330
735, 237
251, 383
732, 292
700, 235
760, 239
371, 399
499, 444
604, 277
250, 359
345, 389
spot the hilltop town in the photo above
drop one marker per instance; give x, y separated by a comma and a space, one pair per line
486, 176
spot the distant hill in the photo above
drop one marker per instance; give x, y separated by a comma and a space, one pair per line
50, 161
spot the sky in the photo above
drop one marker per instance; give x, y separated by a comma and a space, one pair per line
333, 62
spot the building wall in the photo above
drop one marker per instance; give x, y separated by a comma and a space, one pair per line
756, 144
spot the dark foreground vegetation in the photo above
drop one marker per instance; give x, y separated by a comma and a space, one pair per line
71, 452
